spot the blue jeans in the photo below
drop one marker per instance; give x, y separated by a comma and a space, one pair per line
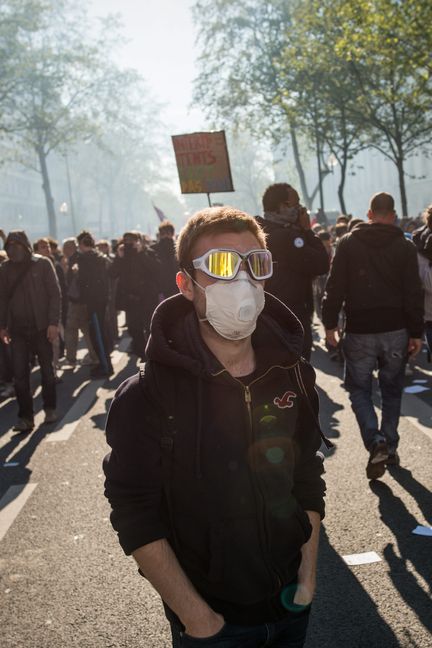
388, 353
288, 633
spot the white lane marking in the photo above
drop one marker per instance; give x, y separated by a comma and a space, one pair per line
73, 416
11, 504
66, 427
365, 558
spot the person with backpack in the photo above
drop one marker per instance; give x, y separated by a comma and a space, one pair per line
214, 477
30, 314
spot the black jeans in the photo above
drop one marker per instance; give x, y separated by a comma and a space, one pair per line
25, 342
138, 321
287, 633
6, 374
98, 335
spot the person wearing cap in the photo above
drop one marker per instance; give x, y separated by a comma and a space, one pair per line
297, 251
214, 477
30, 313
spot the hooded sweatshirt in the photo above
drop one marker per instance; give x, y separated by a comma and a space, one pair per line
375, 276
244, 466
29, 291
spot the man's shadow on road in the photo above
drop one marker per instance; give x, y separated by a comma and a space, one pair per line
343, 613
412, 550
328, 408
99, 420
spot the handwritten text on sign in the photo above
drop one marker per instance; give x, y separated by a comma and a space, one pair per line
203, 162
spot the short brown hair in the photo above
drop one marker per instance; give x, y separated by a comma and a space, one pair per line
86, 238
39, 241
166, 227
382, 204
214, 220
276, 194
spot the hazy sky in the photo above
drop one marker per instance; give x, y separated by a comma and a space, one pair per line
161, 47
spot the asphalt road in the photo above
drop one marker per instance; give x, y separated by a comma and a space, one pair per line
65, 582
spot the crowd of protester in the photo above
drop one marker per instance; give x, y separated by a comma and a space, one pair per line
97, 279
77, 287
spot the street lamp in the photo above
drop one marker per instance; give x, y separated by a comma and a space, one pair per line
332, 161
63, 209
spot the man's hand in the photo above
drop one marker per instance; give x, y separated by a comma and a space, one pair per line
414, 346
331, 338
4, 336
52, 333
304, 594
205, 628
304, 220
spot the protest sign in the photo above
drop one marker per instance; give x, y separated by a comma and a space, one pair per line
203, 162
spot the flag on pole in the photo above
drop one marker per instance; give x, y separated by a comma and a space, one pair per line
159, 213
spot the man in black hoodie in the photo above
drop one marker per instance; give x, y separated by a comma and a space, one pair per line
299, 255
165, 252
138, 273
30, 314
214, 477
375, 277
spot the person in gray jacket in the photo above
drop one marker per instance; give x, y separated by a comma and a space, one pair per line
30, 309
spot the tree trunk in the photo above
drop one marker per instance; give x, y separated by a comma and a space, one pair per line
402, 188
307, 199
46, 186
341, 186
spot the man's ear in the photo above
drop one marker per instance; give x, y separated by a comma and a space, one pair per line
185, 285
370, 214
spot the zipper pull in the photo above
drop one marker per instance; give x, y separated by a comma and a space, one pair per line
248, 397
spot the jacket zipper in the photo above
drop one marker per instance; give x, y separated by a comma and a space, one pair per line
248, 400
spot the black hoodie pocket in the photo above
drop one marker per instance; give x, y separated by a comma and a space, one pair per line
216, 562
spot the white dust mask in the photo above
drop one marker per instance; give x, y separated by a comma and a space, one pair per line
233, 307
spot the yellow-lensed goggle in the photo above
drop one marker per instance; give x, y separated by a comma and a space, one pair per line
224, 263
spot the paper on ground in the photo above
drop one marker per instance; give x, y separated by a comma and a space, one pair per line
420, 381
423, 531
362, 558
415, 389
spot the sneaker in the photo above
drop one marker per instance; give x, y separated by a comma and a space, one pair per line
377, 460
393, 459
7, 391
69, 364
50, 416
23, 425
